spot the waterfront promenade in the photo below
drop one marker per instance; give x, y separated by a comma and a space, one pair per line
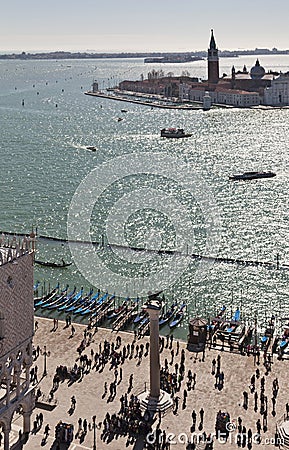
203, 394
155, 101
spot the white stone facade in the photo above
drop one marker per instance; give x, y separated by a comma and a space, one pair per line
278, 93
16, 333
220, 95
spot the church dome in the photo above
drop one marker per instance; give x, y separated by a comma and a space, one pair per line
257, 71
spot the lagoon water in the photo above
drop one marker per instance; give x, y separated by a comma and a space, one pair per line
44, 159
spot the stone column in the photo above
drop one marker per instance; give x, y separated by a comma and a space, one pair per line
26, 422
6, 439
8, 391
154, 312
17, 373
27, 375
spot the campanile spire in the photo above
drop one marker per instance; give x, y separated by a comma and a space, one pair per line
213, 61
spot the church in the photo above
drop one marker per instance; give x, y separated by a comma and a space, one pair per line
242, 88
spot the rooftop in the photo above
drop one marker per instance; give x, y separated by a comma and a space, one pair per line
11, 249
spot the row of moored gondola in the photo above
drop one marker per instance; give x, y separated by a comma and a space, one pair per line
99, 307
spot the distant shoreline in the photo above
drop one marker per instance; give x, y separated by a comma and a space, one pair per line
84, 55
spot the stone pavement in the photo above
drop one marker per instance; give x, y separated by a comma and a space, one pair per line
237, 374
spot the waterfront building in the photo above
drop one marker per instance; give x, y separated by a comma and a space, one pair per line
278, 93
16, 333
221, 94
241, 88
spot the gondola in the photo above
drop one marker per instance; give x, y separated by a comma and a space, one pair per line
93, 305
268, 334
166, 317
61, 300
116, 311
140, 316
87, 304
284, 339
55, 298
234, 322
71, 301
79, 302
47, 297
178, 317
52, 264
104, 299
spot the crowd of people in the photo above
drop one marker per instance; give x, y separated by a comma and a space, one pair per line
176, 378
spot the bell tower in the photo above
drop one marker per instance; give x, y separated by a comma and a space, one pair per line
213, 61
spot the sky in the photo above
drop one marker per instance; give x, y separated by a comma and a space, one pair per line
142, 26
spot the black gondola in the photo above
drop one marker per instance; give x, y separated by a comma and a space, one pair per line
52, 264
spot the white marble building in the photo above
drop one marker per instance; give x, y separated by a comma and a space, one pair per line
220, 95
278, 93
16, 333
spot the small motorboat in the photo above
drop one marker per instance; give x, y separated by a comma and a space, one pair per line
119, 119
92, 148
123, 110
253, 175
174, 133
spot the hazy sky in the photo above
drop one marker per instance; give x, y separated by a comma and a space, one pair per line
148, 25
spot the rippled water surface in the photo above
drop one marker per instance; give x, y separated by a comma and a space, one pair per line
44, 159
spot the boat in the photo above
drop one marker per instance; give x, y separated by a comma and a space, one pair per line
252, 175
94, 304
52, 264
285, 338
168, 315
60, 301
91, 147
217, 320
116, 311
174, 133
101, 311
94, 307
87, 304
71, 301
103, 301
234, 322
38, 301
178, 317
79, 302
123, 110
268, 334
55, 299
